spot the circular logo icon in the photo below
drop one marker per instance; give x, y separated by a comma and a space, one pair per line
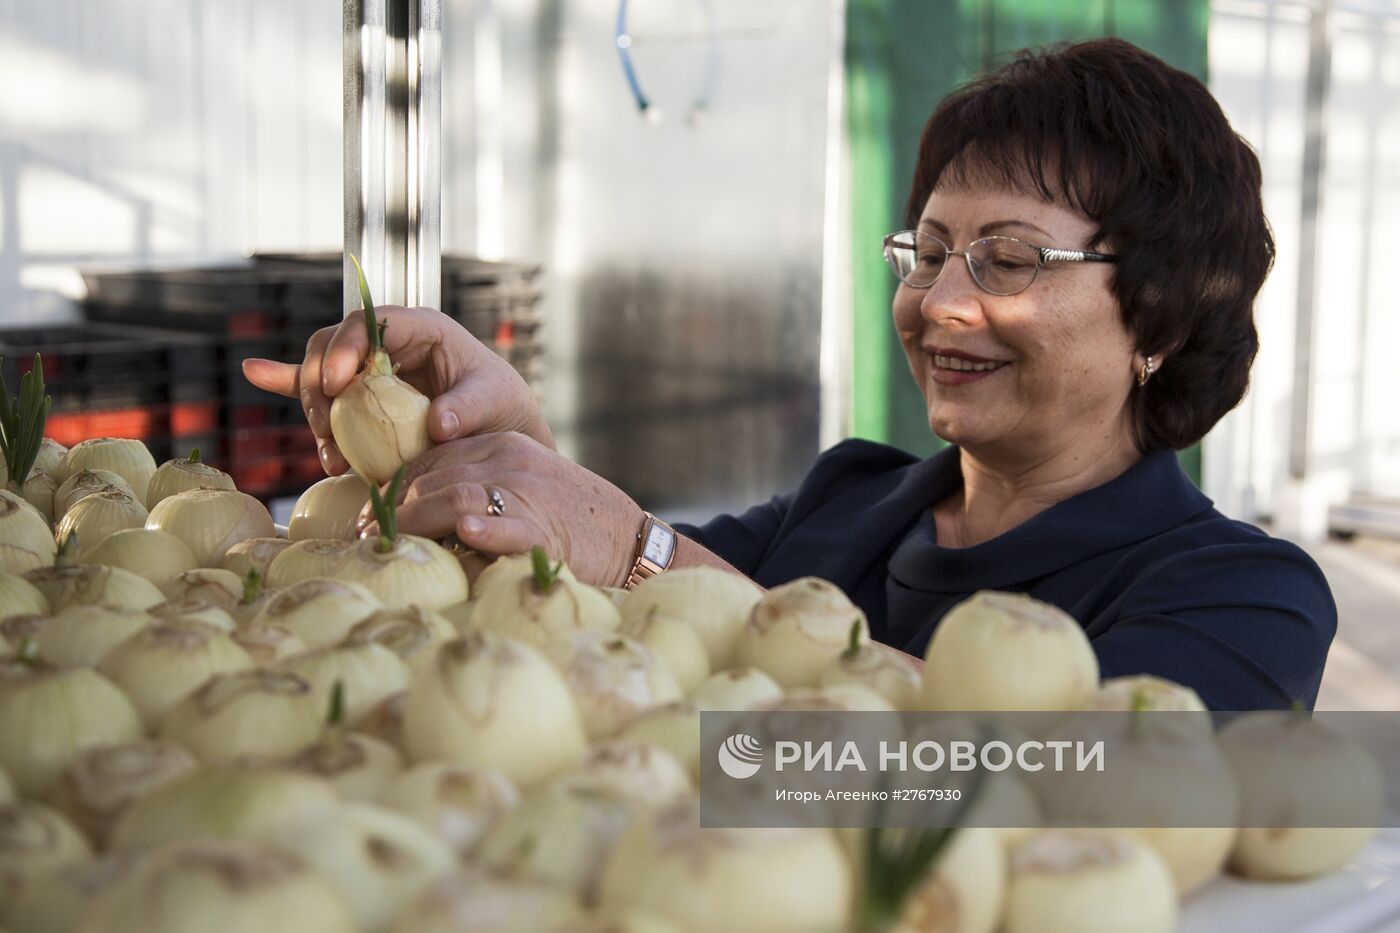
740, 756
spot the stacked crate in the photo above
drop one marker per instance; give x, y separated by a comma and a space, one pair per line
269, 307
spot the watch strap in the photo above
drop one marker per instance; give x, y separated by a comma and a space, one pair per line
656, 548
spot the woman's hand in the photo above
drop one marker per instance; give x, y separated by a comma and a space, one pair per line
473, 391
575, 515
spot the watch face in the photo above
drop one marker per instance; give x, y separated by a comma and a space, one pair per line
660, 544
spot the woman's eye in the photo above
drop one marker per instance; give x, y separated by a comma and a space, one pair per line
931, 259
1011, 265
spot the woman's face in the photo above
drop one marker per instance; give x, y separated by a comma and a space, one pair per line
1065, 358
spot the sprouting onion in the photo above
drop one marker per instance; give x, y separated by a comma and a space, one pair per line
22, 433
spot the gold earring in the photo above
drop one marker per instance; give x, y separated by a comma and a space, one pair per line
1148, 368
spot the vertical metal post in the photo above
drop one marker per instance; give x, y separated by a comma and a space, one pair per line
393, 149
1314, 150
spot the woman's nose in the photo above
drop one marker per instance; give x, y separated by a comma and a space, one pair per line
955, 297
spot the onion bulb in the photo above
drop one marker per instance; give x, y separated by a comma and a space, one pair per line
714, 602
525, 597
182, 475
736, 689
1310, 796
561, 835
26, 542
84, 483
458, 803
409, 571
239, 886
358, 765
20, 597
674, 727
612, 678
485, 903
34, 840
493, 702
50, 456
888, 671
1081, 881
39, 492
321, 612
226, 803
268, 645
16, 629
379, 422
55, 901
414, 634
385, 721
1007, 651
94, 585
192, 609
330, 509
81, 636
48, 716
211, 521
104, 780
94, 517
964, 892
209, 585
369, 672
306, 560
676, 642
244, 716
127, 458
798, 629
645, 774
156, 555
737, 880
254, 554
377, 859
164, 662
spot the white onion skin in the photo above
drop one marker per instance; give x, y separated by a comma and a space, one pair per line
369, 672
211, 521
714, 602
458, 803
50, 457
94, 585
379, 422
329, 509
377, 859
176, 476
896, 676
84, 483
54, 902
211, 585
385, 722
47, 717
506, 602
258, 804
676, 642
166, 661
744, 881
20, 597
104, 780
250, 889
319, 611
190, 610
94, 517
1007, 651
647, 775
493, 702
674, 728
413, 572
81, 636
797, 630
156, 555
737, 688
34, 840
254, 554
1082, 881
268, 645
482, 903
246, 716
966, 890
314, 558
26, 543
360, 766
414, 634
39, 492
613, 678
127, 458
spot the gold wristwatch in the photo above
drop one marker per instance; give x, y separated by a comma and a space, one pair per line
656, 546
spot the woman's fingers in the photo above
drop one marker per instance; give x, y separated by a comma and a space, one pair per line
436, 515
343, 354
499, 534
272, 376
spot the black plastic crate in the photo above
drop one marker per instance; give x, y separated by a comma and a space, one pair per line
97, 367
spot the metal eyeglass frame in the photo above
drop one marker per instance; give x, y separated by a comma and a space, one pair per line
1044, 254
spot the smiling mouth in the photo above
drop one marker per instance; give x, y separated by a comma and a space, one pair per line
965, 366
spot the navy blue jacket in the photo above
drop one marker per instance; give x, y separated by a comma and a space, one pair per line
1162, 582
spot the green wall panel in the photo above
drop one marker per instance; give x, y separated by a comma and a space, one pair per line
902, 56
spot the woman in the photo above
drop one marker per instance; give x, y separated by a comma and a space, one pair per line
1085, 243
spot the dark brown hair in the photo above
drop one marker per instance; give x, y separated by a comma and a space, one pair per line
1144, 151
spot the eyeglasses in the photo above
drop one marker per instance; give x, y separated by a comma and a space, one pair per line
1001, 265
